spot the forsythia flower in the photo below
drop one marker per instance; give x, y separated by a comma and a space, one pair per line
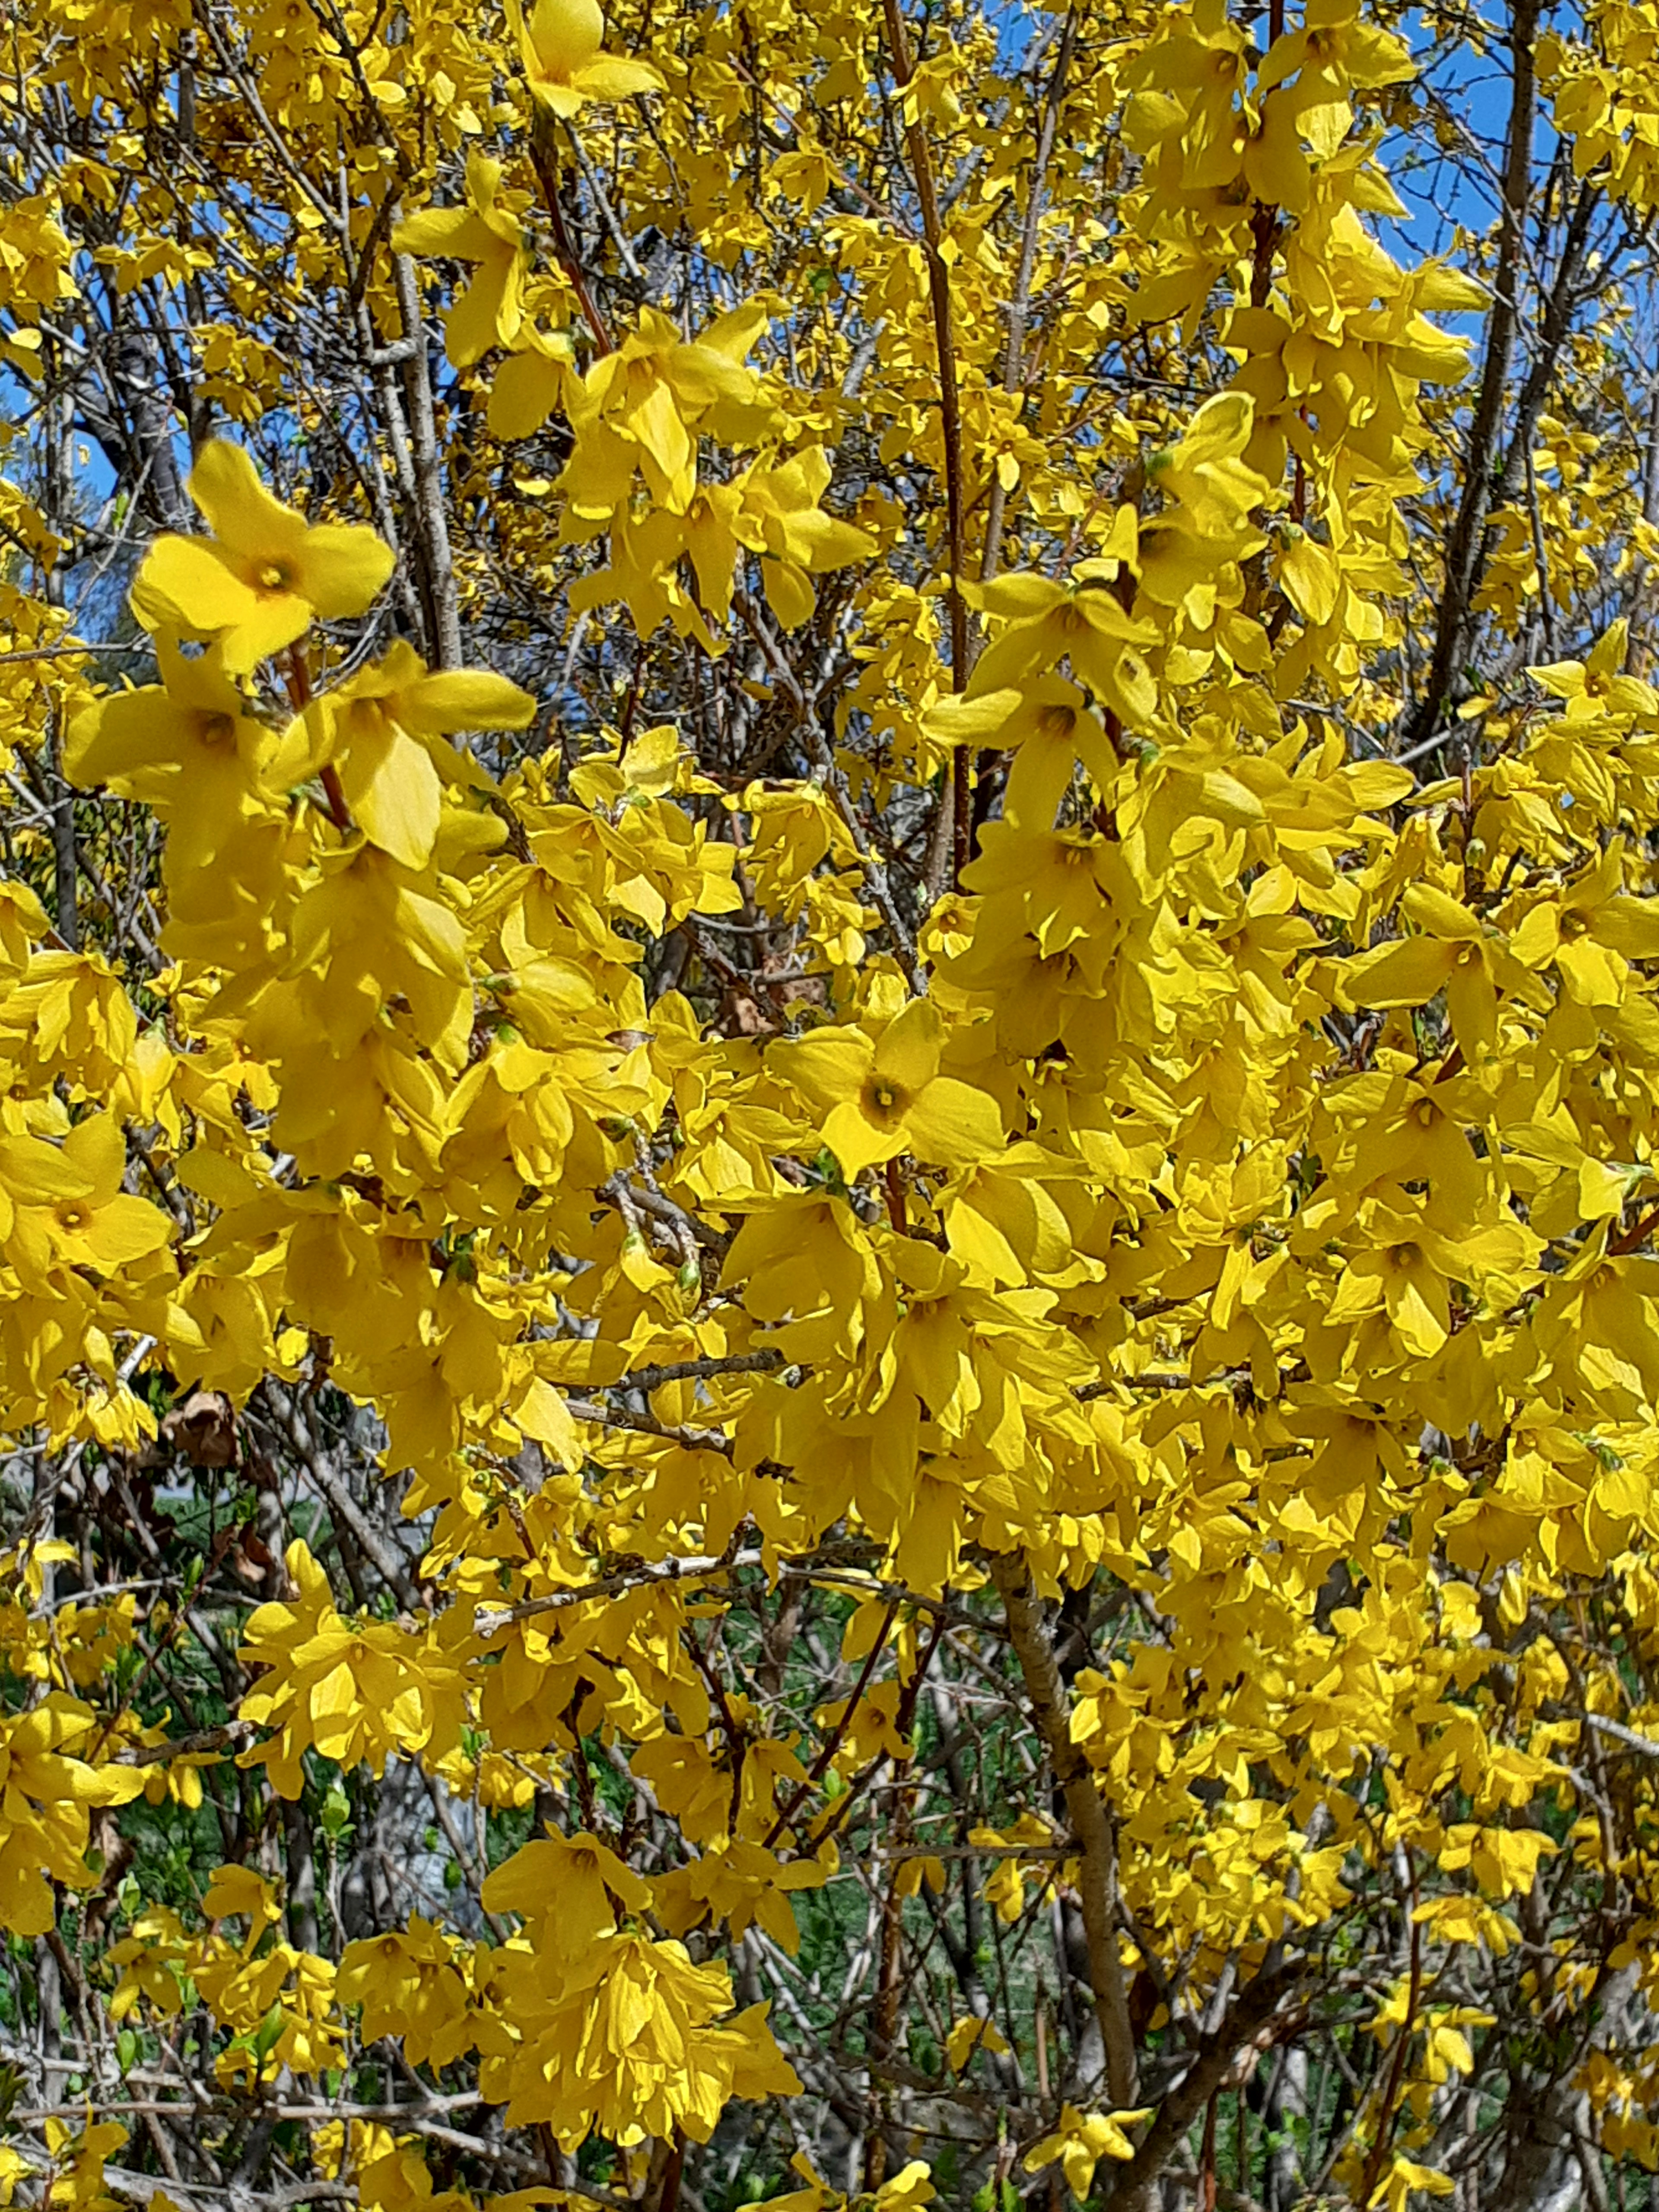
265, 575
1081, 2141
885, 1095
968, 2035
490, 310
409, 1984
386, 727
91, 1221
624, 2041
358, 1691
559, 48
46, 1789
581, 1876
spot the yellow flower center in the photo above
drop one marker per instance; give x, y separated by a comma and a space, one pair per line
885, 1102
274, 576
216, 730
72, 1214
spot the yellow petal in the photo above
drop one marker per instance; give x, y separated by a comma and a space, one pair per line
438, 230
952, 1125
240, 512
185, 579
525, 392
566, 34
394, 793
907, 1053
342, 568
610, 77
132, 730
857, 1142
1440, 913
465, 699
1407, 974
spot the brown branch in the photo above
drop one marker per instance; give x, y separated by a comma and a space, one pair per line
1264, 220
1091, 1823
1468, 530
491, 1623
938, 293
820, 1766
1637, 1233
387, 1560
875, 868
1019, 307
764, 1362
1389, 2113
437, 563
1642, 640
1253, 2022
544, 161
614, 1416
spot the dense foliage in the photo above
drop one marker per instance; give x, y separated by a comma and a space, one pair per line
827, 990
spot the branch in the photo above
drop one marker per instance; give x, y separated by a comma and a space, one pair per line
763, 1362
875, 871
1252, 2024
938, 293
437, 561
386, 1556
615, 1417
1462, 548
1620, 1734
491, 1623
544, 160
1019, 307
1091, 1823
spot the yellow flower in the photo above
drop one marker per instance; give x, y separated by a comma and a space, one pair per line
265, 575
1457, 953
356, 1690
908, 2189
740, 1884
189, 738
886, 1096
560, 46
145, 744
563, 1886
387, 728
968, 2035
490, 310
89, 1221
1081, 2141
151, 1961
1405, 2179
1047, 621
45, 1787
781, 520
627, 2044
409, 1985
644, 404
